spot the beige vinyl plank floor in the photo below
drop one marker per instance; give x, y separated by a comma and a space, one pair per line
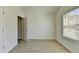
39, 46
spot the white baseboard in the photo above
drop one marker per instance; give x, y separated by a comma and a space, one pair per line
41, 39
64, 45
11, 47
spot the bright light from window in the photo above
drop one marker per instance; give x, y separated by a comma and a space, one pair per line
71, 24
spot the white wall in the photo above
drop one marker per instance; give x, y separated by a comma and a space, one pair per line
19, 12
72, 45
1, 27
41, 26
41, 21
10, 27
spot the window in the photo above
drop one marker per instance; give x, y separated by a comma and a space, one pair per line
71, 24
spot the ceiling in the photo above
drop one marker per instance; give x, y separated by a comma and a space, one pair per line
40, 9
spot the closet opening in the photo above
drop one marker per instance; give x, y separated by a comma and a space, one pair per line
20, 29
